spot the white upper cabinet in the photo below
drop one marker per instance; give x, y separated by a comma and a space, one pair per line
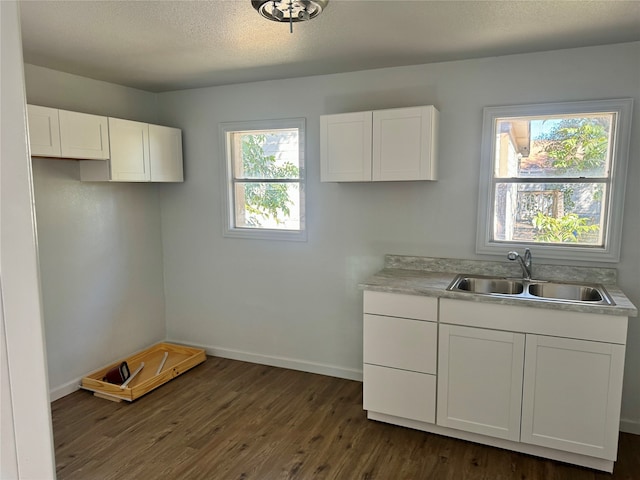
404, 144
109, 149
140, 152
345, 149
398, 144
44, 131
65, 134
129, 150
165, 154
83, 135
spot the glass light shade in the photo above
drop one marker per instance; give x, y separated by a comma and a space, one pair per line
289, 10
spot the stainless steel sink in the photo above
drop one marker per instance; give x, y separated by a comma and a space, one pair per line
539, 290
478, 284
565, 291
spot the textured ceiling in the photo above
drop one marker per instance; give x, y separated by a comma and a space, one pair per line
170, 45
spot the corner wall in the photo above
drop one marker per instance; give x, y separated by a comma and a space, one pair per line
298, 304
100, 245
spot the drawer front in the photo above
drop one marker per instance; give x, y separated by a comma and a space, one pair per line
556, 323
400, 393
400, 343
398, 305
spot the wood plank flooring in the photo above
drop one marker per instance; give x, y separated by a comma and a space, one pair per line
231, 420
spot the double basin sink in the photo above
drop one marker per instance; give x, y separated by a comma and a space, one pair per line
531, 289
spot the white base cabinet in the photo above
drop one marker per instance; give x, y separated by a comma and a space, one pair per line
480, 380
400, 355
398, 144
400, 393
544, 382
572, 394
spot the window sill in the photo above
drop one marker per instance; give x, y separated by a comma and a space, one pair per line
266, 234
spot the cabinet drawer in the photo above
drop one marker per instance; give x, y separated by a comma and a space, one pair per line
400, 343
400, 393
558, 323
399, 305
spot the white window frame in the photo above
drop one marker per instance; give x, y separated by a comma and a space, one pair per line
230, 229
610, 251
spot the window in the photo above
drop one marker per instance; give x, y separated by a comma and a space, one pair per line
264, 181
553, 177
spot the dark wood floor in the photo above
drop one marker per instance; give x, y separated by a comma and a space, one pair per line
233, 420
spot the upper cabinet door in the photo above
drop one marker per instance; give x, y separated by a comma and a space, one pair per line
405, 144
129, 142
345, 147
83, 136
44, 131
165, 153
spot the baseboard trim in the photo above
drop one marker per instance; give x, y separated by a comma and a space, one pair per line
629, 426
64, 390
276, 361
273, 361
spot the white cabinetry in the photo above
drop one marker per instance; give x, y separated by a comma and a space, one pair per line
129, 151
44, 131
140, 152
400, 351
83, 135
571, 383
383, 145
165, 154
345, 148
546, 382
480, 380
572, 394
65, 134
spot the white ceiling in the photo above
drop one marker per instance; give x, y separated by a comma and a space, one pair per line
168, 45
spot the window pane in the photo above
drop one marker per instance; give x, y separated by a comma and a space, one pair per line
556, 213
267, 205
554, 146
267, 154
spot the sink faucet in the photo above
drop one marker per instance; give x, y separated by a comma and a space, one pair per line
524, 263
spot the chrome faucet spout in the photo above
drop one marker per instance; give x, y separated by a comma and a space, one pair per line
524, 263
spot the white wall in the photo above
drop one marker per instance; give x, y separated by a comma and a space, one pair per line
298, 304
100, 243
25, 420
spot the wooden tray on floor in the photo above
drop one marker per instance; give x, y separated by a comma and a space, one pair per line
179, 360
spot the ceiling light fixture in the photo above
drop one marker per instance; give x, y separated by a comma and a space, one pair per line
289, 10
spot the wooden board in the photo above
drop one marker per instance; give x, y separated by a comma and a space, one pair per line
179, 360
